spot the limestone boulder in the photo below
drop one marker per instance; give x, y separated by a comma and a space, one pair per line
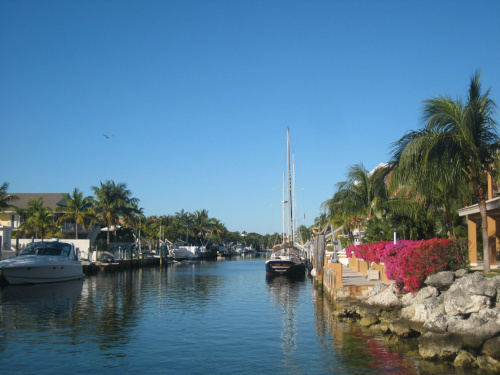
461, 273
458, 301
378, 288
492, 348
474, 322
437, 323
430, 312
476, 284
401, 328
485, 362
464, 359
389, 315
473, 334
441, 280
436, 346
408, 299
369, 320
425, 299
364, 309
388, 298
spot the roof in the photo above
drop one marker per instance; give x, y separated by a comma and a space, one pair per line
52, 200
492, 208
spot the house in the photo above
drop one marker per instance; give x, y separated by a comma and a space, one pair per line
474, 218
11, 216
56, 201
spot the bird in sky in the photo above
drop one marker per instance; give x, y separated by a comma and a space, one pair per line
107, 136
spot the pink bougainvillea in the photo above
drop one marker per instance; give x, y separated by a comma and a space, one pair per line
410, 262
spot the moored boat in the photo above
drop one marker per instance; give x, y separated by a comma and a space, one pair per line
289, 258
184, 251
43, 262
285, 260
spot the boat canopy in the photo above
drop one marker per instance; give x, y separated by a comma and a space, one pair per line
47, 248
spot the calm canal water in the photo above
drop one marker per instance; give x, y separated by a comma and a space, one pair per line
202, 318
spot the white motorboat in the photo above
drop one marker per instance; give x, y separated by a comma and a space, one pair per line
43, 262
184, 251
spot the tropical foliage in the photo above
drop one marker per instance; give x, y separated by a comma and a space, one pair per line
6, 200
78, 209
432, 173
112, 203
410, 262
448, 160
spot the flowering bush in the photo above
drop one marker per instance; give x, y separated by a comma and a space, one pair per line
410, 262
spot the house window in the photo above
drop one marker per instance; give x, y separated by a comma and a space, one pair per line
12, 220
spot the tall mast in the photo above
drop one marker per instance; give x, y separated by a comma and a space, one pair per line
294, 222
284, 206
289, 187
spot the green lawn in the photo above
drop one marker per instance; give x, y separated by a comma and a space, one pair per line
493, 273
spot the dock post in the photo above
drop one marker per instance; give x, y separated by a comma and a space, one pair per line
319, 255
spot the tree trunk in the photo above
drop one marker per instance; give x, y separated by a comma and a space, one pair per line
484, 225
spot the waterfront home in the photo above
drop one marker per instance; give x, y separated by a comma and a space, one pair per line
474, 220
10, 219
55, 201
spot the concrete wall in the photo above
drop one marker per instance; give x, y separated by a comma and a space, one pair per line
363, 267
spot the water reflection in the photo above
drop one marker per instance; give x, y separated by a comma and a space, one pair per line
204, 317
285, 293
360, 351
39, 311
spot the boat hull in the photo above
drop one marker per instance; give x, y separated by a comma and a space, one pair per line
285, 267
38, 274
182, 254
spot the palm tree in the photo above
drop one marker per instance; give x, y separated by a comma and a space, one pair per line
6, 199
39, 219
219, 229
77, 209
43, 221
359, 198
363, 193
202, 224
27, 223
457, 146
112, 202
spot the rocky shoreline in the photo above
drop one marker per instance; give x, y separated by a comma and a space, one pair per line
455, 318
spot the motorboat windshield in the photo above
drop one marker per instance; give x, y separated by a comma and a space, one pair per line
47, 248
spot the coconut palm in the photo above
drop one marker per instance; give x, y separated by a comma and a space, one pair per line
38, 219
219, 230
202, 224
6, 199
77, 209
43, 222
457, 146
359, 198
362, 194
111, 203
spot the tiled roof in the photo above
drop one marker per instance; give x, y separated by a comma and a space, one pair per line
52, 200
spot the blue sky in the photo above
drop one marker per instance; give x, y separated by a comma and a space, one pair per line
198, 94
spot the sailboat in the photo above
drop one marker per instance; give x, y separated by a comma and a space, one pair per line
287, 258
